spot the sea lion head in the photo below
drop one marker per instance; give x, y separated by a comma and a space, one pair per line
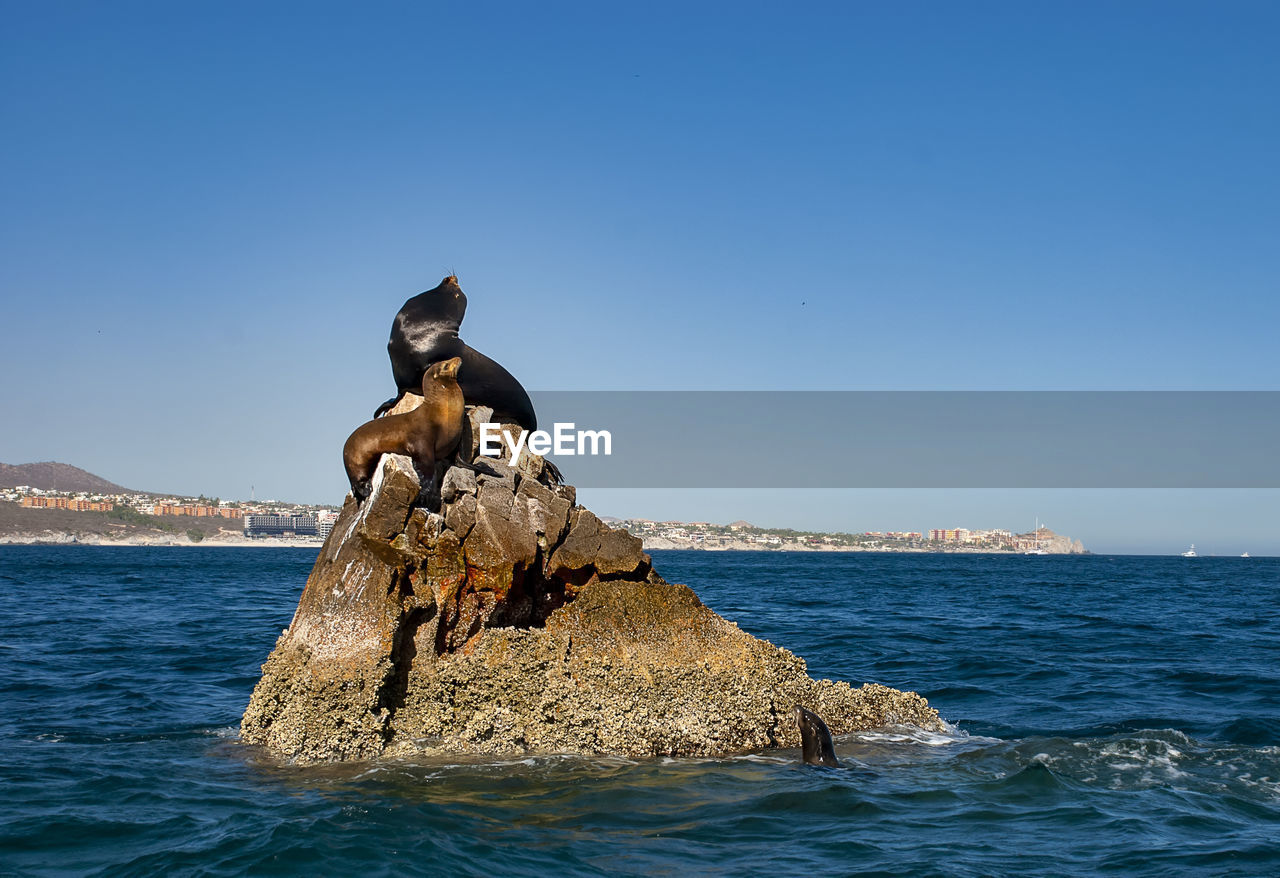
447, 302
797, 716
815, 738
444, 369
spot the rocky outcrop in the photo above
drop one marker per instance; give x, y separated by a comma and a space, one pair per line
495, 615
1052, 543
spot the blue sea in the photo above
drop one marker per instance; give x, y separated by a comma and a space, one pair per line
1108, 715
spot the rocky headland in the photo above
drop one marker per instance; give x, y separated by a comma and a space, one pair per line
498, 616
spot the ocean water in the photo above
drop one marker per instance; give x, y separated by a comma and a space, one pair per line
1110, 715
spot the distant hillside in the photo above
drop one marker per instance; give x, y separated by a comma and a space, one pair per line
52, 476
22, 525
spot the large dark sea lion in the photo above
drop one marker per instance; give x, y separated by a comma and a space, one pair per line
425, 331
427, 434
815, 739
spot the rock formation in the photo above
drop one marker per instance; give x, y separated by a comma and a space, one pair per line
1056, 544
495, 615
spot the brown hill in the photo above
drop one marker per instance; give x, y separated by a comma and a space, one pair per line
52, 476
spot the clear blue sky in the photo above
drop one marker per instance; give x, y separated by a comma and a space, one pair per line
209, 213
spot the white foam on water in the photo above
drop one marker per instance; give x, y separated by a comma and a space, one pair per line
1137, 760
482, 763
913, 735
760, 759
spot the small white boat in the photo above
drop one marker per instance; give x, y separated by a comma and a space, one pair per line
1190, 553
1244, 554
1037, 550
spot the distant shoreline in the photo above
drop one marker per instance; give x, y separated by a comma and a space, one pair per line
270, 543
1055, 546
277, 543
176, 543
816, 550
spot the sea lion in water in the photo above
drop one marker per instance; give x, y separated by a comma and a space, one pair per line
425, 331
815, 738
427, 434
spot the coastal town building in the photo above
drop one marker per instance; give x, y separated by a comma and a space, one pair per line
281, 525
196, 511
324, 524
71, 503
148, 513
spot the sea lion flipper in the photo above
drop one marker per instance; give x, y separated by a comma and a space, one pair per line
553, 471
388, 405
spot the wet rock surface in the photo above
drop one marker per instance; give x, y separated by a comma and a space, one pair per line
508, 619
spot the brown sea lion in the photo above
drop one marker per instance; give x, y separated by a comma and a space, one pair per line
427, 434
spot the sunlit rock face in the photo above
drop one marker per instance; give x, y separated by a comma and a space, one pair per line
492, 614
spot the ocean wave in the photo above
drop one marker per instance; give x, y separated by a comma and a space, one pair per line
904, 734
1156, 759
